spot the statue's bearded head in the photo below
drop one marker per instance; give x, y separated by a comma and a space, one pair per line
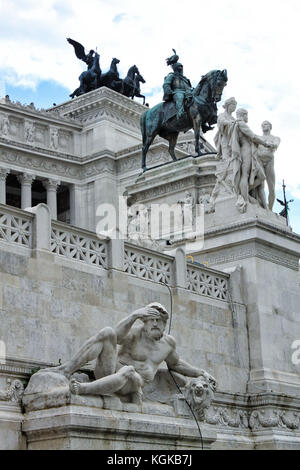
154, 325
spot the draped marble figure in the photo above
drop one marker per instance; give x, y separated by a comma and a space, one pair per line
225, 127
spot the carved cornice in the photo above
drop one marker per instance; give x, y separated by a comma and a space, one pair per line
97, 98
39, 164
40, 114
246, 224
251, 249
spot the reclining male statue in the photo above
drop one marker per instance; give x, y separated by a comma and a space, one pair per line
143, 348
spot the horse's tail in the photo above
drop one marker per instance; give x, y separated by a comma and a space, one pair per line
143, 126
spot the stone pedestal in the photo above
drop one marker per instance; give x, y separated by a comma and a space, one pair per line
167, 183
268, 253
93, 423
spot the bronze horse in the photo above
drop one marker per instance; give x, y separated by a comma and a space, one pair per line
200, 112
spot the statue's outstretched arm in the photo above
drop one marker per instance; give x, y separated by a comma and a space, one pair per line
176, 364
245, 129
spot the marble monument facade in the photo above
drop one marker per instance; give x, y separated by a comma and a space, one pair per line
235, 302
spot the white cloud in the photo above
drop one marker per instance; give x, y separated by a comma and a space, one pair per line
256, 41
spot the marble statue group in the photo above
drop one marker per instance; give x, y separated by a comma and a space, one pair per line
249, 157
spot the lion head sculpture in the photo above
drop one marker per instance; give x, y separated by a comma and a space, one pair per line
199, 393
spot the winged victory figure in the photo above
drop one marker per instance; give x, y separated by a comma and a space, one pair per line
89, 80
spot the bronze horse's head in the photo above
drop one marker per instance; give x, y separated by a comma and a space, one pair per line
221, 79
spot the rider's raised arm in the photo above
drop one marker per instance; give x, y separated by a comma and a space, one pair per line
176, 364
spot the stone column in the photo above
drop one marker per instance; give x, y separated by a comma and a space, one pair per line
78, 214
51, 186
3, 175
26, 181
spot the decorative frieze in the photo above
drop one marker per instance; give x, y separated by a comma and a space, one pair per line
40, 164
274, 418
227, 417
41, 135
15, 128
251, 250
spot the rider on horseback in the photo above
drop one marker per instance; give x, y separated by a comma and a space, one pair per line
176, 86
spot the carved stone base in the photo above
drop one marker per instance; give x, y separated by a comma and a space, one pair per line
226, 210
168, 183
82, 425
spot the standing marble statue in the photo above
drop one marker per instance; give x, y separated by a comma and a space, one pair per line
124, 372
187, 206
248, 172
29, 132
54, 138
225, 127
5, 126
266, 157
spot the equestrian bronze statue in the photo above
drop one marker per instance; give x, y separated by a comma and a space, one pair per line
184, 108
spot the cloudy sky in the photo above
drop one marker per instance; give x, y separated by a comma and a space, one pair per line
257, 41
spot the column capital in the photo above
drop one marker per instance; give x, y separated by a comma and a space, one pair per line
3, 173
26, 178
51, 185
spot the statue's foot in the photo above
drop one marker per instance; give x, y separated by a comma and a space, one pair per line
75, 387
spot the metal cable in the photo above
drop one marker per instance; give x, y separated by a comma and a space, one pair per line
170, 325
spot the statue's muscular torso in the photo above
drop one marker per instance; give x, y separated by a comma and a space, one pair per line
143, 354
